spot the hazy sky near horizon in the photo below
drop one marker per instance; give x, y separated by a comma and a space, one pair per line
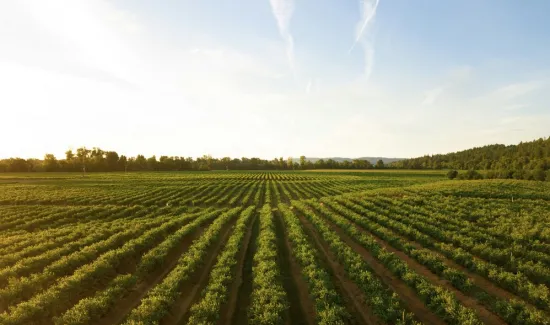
270, 78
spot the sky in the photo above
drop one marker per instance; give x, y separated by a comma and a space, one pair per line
272, 78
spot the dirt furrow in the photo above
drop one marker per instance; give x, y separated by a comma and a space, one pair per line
228, 309
301, 309
480, 281
191, 291
407, 294
351, 293
126, 304
484, 314
240, 313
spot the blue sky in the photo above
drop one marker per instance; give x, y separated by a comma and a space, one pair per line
272, 78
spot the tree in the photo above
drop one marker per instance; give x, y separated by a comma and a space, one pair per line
111, 160
34, 164
152, 163
303, 162
319, 164
225, 162
472, 174
83, 156
290, 162
140, 162
380, 164
282, 163
17, 165
69, 155
50, 163
123, 163
452, 174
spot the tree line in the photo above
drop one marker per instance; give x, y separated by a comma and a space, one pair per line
526, 160
98, 160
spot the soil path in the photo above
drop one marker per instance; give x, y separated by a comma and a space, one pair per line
485, 315
193, 288
228, 310
353, 296
240, 313
132, 300
301, 309
407, 294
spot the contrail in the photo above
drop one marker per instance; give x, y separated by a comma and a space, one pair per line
368, 12
283, 10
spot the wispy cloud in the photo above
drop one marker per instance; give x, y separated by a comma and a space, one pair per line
308, 86
283, 10
517, 89
431, 95
456, 77
368, 12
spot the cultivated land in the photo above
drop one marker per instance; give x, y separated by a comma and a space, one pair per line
273, 248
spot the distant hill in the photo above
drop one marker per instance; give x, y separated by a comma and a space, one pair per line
372, 160
533, 155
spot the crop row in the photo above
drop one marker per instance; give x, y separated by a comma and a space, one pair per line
162, 297
93, 308
208, 309
429, 236
54, 300
329, 305
268, 298
510, 255
512, 311
384, 303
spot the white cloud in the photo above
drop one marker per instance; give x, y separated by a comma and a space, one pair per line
368, 12
517, 89
432, 95
454, 79
89, 73
308, 86
97, 77
283, 11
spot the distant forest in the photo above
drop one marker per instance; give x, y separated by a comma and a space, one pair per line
527, 160
98, 160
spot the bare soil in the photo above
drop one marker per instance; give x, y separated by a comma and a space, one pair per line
407, 294
352, 295
301, 309
198, 281
240, 313
132, 300
228, 310
485, 315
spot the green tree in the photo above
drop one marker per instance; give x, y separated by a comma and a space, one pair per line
302, 162
111, 160
290, 162
152, 163
380, 164
50, 163
452, 174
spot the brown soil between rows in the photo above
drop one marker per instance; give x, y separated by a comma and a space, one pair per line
228, 309
407, 294
240, 313
284, 197
193, 287
479, 280
485, 315
353, 296
301, 309
132, 300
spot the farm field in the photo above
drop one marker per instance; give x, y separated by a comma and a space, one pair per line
267, 247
